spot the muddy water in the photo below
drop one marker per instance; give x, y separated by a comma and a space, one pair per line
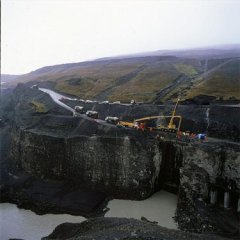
160, 208
25, 224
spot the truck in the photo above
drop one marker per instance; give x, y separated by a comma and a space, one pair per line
92, 114
112, 120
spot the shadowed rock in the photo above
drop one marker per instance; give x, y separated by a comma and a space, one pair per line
120, 228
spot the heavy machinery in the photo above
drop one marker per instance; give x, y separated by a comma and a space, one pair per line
112, 120
142, 123
171, 127
34, 86
79, 109
126, 124
92, 114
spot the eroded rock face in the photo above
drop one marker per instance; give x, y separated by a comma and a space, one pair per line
207, 174
120, 228
126, 163
219, 160
123, 167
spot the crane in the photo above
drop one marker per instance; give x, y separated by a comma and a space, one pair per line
171, 127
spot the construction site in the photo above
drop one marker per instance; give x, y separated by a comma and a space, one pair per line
163, 126
122, 150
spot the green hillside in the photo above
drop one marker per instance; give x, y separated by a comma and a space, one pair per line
224, 82
144, 78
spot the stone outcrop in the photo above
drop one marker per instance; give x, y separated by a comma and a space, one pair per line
210, 169
120, 228
124, 167
220, 121
120, 166
125, 163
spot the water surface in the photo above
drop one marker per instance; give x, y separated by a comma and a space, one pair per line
160, 207
25, 224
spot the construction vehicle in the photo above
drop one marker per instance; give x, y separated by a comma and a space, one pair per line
116, 102
112, 120
171, 127
127, 124
142, 123
92, 114
79, 109
133, 102
34, 86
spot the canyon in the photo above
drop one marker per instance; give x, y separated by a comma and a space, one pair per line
54, 162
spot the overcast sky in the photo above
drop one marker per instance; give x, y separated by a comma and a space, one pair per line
37, 33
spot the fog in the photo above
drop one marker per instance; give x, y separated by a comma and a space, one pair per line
38, 33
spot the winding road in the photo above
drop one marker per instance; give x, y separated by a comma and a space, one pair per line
56, 97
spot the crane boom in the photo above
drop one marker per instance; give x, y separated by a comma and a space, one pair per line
171, 125
169, 128
154, 117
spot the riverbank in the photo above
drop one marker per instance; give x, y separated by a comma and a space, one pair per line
65, 157
121, 229
50, 196
25, 224
159, 208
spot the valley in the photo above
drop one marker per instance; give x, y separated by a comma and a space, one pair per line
150, 77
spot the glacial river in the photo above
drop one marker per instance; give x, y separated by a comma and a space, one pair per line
25, 224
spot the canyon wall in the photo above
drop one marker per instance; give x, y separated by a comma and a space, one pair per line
123, 167
126, 163
126, 166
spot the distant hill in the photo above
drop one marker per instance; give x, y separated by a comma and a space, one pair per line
150, 77
8, 77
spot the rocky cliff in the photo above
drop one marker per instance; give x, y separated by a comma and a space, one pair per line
209, 189
120, 228
49, 144
124, 167
121, 166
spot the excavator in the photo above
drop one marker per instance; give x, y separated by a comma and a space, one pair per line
141, 123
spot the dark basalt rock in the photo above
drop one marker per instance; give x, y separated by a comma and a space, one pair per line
16, 239
56, 197
220, 121
199, 175
200, 100
53, 151
120, 228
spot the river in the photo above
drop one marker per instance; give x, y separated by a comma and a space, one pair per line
25, 224
160, 207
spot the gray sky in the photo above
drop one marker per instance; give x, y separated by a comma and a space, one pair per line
37, 33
